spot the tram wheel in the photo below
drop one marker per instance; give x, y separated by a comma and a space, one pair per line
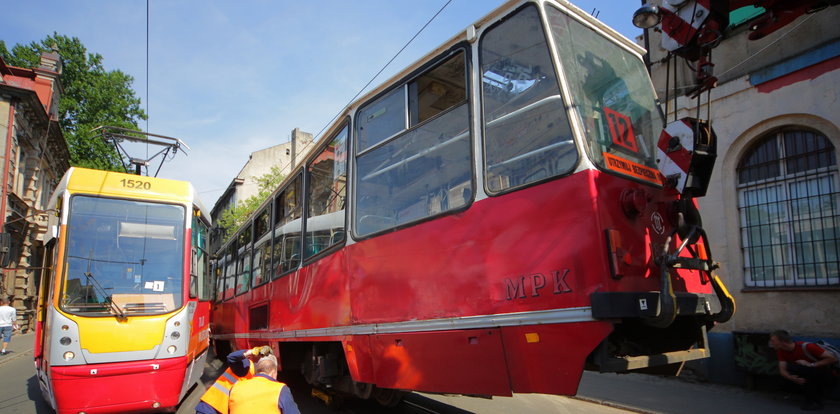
362, 390
388, 397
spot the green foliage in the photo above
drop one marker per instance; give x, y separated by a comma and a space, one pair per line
91, 97
235, 217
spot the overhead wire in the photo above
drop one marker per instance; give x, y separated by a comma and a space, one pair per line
148, 110
305, 146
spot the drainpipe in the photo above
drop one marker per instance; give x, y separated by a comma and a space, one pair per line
6, 165
3, 182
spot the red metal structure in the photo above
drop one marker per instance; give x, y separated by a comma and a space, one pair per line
491, 220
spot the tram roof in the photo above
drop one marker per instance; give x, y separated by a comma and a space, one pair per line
470, 34
117, 184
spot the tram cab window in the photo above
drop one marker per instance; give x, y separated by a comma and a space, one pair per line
425, 170
129, 253
286, 255
326, 192
527, 136
611, 91
201, 284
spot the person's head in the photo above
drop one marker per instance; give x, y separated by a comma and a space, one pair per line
267, 365
781, 339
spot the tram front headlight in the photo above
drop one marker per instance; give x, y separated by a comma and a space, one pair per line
171, 349
64, 341
69, 355
175, 335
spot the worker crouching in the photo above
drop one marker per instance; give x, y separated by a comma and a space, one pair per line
262, 393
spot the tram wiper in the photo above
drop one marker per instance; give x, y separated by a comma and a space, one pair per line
107, 297
89, 276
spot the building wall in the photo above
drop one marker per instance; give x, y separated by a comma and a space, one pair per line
37, 158
286, 155
799, 104
261, 162
746, 106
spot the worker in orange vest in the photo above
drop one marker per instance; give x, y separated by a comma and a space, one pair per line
262, 393
240, 366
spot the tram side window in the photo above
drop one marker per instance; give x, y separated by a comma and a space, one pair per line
230, 271
381, 119
243, 266
262, 246
201, 284
218, 275
527, 136
326, 192
287, 229
426, 170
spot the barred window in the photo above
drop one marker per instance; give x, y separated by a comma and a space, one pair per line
789, 215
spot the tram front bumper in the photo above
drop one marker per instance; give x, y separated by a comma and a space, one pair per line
119, 387
620, 305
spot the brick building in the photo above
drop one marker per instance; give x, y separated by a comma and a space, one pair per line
33, 157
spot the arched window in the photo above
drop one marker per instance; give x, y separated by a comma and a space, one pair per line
789, 214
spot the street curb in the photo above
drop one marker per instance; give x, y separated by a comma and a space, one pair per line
613, 404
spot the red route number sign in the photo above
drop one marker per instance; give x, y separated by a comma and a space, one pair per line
621, 129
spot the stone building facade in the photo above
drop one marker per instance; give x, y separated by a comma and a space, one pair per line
286, 155
772, 210
34, 156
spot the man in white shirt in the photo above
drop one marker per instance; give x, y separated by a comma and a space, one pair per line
8, 320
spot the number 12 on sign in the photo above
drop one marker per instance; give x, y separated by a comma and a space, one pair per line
621, 129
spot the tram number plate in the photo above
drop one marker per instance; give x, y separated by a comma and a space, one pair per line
621, 129
136, 184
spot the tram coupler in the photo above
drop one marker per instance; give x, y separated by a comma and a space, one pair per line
667, 309
704, 264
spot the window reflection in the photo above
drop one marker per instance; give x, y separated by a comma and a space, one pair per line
130, 253
327, 196
527, 136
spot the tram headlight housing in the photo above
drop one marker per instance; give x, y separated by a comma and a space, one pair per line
69, 355
175, 335
646, 17
171, 349
65, 341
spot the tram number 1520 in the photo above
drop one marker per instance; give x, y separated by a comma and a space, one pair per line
136, 184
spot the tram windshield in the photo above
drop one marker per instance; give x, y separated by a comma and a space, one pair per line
123, 257
613, 95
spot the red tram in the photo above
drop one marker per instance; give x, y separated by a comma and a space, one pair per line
490, 220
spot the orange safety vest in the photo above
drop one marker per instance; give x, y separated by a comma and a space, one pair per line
218, 394
256, 395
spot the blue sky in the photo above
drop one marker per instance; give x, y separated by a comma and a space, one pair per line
230, 78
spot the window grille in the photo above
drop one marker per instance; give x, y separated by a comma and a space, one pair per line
789, 215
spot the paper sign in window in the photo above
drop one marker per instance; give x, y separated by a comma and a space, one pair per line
621, 130
156, 286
